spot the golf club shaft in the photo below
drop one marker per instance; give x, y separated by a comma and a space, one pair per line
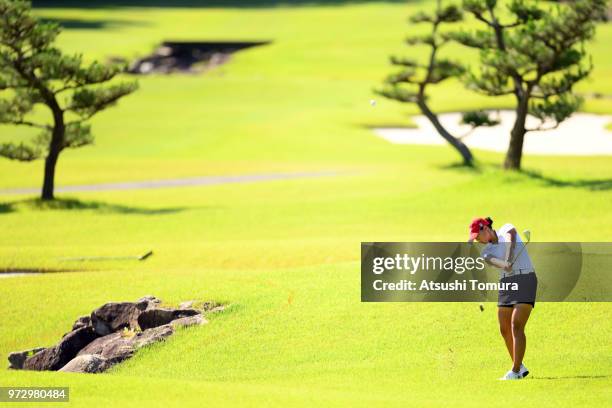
520, 252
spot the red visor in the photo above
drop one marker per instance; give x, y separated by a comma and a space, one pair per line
476, 226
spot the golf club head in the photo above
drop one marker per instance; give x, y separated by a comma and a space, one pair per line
527, 235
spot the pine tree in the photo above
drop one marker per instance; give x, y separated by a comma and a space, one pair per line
410, 83
538, 56
33, 72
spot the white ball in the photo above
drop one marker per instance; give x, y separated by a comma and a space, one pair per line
372, 102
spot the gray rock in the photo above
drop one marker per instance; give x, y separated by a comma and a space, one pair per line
82, 321
209, 307
17, 358
112, 317
99, 341
159, 317
188, 321
187, 304
114, 348
151, 336
54, 358
149, 301
86, 363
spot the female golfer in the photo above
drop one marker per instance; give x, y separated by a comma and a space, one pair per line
505, 250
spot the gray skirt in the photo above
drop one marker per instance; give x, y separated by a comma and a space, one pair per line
526, 293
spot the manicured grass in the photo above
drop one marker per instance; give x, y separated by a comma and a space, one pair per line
285, 254
301, 101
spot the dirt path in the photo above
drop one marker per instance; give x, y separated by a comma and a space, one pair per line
180, 182
13, 274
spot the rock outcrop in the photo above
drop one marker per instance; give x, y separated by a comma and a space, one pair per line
158, 317
111, 334
54, 358
17, 358
87, 363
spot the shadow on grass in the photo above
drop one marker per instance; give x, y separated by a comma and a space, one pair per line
475, 168
572, 377
76, 205
515, 176
79, 24
80, 4
589, 184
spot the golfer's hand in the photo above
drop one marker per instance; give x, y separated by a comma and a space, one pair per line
508, 267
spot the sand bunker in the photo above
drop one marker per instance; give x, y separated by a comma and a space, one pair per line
583, 134
189, 56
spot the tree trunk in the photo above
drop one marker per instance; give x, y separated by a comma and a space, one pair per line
55, 148
463, 150
517, 136
49, 180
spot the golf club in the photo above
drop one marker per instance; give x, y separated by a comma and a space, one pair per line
527, 235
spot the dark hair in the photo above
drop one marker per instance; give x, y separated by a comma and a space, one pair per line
490, 221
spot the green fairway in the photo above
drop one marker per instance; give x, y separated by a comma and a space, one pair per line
285, 254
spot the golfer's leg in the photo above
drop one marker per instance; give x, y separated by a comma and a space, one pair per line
504, 315
520, 315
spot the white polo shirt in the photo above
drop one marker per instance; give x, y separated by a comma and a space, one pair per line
522, 264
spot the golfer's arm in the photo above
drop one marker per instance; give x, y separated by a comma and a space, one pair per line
498, 263
511, 237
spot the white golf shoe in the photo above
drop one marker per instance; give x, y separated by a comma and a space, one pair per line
523, 371
511, 375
